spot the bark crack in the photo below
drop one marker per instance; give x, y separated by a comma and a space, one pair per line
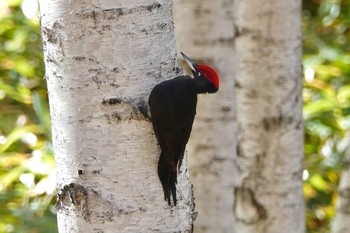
138, 109
247, 209
115, 13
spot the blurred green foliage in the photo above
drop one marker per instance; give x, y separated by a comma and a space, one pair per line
27, 179
326, 94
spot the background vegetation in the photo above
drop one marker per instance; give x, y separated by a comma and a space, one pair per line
27, 180
326, 61
26, 159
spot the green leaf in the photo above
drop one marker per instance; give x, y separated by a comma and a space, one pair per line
16, 134
315, 108
318, 182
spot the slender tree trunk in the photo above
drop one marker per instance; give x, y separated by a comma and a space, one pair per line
204, 30
268, 192
101, 63
341, 222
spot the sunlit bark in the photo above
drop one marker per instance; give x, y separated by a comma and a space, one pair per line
268, 192
102, 59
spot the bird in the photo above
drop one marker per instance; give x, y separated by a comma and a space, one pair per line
172, 105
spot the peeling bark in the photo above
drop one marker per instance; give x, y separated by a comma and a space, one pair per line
102, 59
204, 30
268, 87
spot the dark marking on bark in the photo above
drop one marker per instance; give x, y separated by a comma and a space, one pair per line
96, 74
103, 15
107, 14
79, 58
296, 100
82, 58
229, 41
274, 123
281, 80
76, 199
177, 70
49, 59
299, 124
104, 28
112, 101
226, 41
108, 118
93, 15
98, 230
238, 85
252, 93
116, 116
51, 34
259, 159
245, 199
201, 11
193, 214
113, 117
243, 31
80, 172
161, 26
115, 70
96, 80
95, 71
73, 196
225, 108
238, 149
113, 84
129, 109
236, 32
154, 6
96, 171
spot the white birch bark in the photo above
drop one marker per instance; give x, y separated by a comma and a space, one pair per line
204, 30
102, 59
341, 221
268, 192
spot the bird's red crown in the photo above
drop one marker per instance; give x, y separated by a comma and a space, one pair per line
210, 74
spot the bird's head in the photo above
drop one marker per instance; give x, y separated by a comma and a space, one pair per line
203, 71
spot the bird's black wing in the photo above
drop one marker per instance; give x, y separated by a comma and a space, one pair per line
173, 107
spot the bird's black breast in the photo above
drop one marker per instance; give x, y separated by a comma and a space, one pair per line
173, 107
176, 98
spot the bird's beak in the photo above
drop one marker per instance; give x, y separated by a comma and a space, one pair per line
191, 63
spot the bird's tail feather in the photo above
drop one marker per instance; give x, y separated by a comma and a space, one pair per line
168, 178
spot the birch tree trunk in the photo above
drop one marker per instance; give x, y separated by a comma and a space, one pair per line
268, 192
204, 30
341, 222
102, 59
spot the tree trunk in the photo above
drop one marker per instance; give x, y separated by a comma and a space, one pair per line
204, 30
341, 222
101, 63
268, 192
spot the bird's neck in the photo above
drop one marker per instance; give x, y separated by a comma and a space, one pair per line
203, 85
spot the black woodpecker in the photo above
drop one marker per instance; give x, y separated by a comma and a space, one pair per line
173, 108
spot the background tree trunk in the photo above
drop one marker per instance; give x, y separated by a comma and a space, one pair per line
268, 192
204, 30
341, 222
101, 63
